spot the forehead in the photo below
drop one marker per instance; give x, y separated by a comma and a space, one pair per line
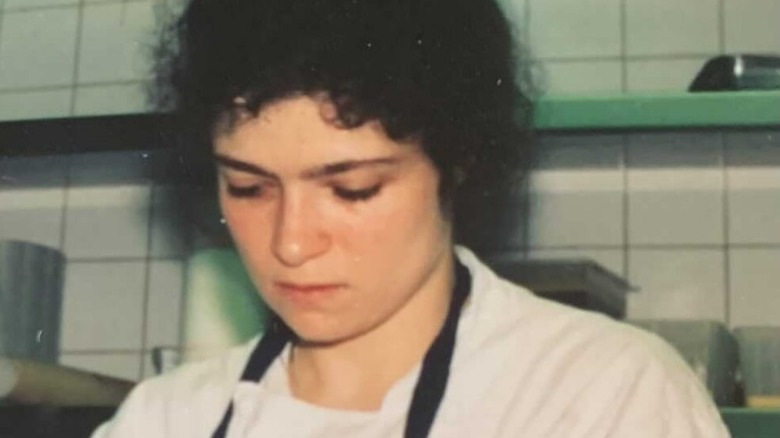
302, 131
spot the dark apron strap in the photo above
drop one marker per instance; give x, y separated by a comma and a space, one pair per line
430, 386
270, 346
435, 372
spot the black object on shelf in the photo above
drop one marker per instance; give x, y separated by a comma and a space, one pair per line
581, 283
738, 72
24, 421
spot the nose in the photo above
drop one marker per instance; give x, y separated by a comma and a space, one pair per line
298, 234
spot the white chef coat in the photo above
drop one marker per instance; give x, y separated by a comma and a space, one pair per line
523, 367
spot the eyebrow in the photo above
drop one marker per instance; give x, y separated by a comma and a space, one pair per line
317, 172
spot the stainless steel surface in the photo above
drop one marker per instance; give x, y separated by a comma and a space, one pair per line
31, 279
738, 72
54, 385
580, 283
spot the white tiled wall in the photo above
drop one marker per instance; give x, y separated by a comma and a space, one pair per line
646, 75
751, 25
29, 32
71, 57
164, 303
107, 222
577, 192
640, 45
671, 27
612, 258
124, 241
578, 76
122, 98
120, 32
692, 219
15, 5
754, 187
755, 296
35, 104
575, 29
695, 225
32, 215
675, 184
678, 283
103, 306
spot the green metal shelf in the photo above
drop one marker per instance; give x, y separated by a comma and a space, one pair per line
752, 423
745, 109
672, 110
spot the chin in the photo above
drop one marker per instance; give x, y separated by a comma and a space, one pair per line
313, 338
319, 332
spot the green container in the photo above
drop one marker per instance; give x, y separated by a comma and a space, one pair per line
222, 306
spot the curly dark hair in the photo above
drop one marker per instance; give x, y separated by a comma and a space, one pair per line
443, 71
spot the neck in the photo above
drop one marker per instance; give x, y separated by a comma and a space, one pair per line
356, 374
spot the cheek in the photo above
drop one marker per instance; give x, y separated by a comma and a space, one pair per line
247, 223
404, 216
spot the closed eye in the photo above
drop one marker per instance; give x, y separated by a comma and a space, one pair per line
244, 191
357, 195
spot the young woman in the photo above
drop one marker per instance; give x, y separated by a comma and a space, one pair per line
343, 131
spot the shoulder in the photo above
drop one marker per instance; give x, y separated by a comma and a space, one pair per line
499, 306
511, 318
502, 307
584, 368
194, 396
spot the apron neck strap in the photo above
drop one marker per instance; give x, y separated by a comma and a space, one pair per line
430, 387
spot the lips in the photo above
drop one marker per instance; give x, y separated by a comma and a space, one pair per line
307, 288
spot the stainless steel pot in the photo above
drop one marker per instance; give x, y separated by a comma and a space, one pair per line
31, 279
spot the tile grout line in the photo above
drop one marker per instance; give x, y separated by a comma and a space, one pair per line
526, 207
147, 280
23, 9
185, 286
527, 23
626, 211
76, 57
726, 233
722, 26
27, 9
62, 241
64, 210
122, 259
623, 46
606, 58
2, 19
70, 85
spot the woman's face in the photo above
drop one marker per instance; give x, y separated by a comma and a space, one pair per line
339, 228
